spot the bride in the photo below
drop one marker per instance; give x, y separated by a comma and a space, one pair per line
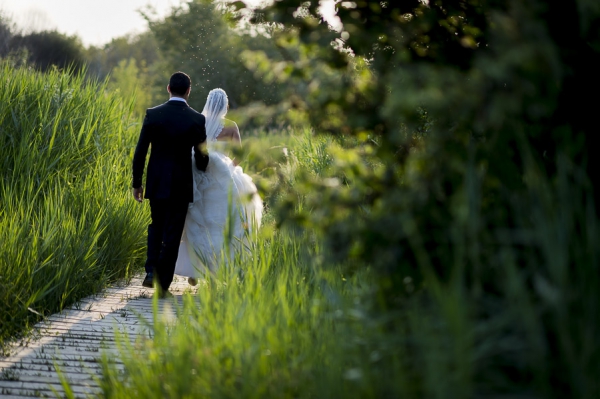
226, 204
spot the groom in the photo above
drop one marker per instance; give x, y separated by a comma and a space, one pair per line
171, 129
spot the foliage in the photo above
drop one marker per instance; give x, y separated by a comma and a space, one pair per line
129, 62
102, 60
44, 50
49, 49
6, 32
127, 78
481, 68
67, 223
200, 39
482, 82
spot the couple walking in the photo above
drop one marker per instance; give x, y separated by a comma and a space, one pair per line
194, 189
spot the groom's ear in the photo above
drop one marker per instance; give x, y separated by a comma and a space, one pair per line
169, 88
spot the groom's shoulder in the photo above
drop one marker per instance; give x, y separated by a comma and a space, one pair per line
164, 108
195, 113
157, 107
155, 111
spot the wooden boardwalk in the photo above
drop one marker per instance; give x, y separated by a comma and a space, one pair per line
75, 339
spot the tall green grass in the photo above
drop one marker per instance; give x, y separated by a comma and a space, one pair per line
282, 324
67, 223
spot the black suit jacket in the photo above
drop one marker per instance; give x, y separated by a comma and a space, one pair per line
172, 129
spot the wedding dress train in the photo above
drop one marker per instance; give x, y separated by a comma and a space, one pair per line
225, 210
226, 207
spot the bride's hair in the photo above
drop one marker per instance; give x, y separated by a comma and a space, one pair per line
214, 110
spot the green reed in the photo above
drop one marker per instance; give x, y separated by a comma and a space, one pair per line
251, 334
67, 223
281, 323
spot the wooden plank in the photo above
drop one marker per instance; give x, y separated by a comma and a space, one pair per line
74, 379
115, 304
75, 367
15, 396
108, 320
55, 352
25, 374
99, 327
41, 386
82, 344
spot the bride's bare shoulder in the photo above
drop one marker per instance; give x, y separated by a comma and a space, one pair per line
228, 123
230, 131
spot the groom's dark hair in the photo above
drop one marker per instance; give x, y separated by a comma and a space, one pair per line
179, 83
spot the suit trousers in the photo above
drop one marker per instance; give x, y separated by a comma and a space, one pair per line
164, 237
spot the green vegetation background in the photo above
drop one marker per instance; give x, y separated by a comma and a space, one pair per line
438, 237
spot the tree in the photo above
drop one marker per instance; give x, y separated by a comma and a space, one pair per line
200, 39
6, 33
493, 76
142, 48
50, 48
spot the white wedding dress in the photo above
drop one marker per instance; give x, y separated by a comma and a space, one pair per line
225, 210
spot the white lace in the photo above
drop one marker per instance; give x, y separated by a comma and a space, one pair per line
214, 111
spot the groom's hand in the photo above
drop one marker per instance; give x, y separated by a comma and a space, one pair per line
138, 193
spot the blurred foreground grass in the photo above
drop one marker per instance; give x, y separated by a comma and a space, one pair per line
286, 322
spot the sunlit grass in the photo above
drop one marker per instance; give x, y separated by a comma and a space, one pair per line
280, 322
67, 224
264, 328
